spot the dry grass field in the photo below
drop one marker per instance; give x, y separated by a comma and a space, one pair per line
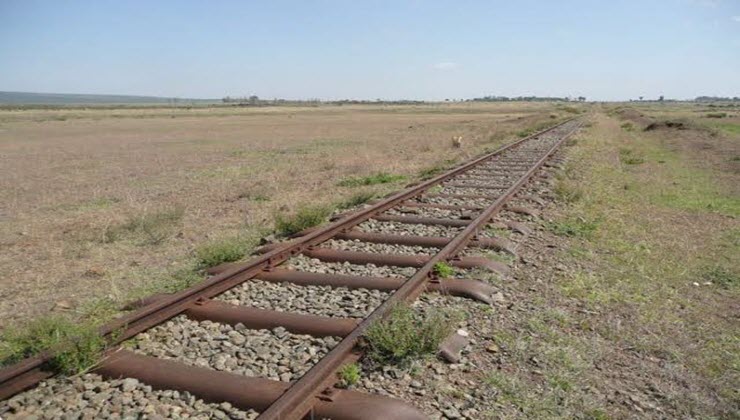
98, 203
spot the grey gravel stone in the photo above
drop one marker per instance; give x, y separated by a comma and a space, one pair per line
314, 300
360, 246
60, 398
277, 355
408, 229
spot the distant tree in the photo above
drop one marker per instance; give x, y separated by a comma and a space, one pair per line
254, 99
641, 98
660, 99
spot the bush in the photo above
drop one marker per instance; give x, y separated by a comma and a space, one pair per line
406, 335
222, 251
303, 218
627, 126
76, 347
628, 157
717, 115
379, 178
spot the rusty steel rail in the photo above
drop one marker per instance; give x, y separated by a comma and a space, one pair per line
298, 399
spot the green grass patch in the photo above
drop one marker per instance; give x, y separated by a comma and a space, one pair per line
220, 251
627, 126
378, 178
151, 228
74, 347
574, 227
303, 218
406, 335
721, 276
356, 200
731, 128
432, 171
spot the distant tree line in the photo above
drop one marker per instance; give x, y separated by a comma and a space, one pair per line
528, 99
254, 100
716, 99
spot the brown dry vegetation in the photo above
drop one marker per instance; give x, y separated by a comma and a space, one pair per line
97, 203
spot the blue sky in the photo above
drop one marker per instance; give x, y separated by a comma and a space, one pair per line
606, 50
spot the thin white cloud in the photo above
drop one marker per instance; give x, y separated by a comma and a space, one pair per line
736, 18
446, 66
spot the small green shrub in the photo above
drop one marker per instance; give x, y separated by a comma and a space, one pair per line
406, 335
442, 270
355, 200
378, 178
76, 347
349, 375
628, 157
717, 115
221, 251
303, 218
627, 126
570, 109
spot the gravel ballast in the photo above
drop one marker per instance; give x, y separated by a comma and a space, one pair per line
90, 396
375, 226
303, 263
359, 246
273, 354
472, 202
311, 300
425, 212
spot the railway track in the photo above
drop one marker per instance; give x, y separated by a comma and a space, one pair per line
266, 337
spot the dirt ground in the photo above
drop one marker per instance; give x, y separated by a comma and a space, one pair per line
627, 307
69, 179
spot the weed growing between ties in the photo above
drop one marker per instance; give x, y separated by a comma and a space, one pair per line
406, 335
443, 270
75, 347
378, 178
303, 218
349, 375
